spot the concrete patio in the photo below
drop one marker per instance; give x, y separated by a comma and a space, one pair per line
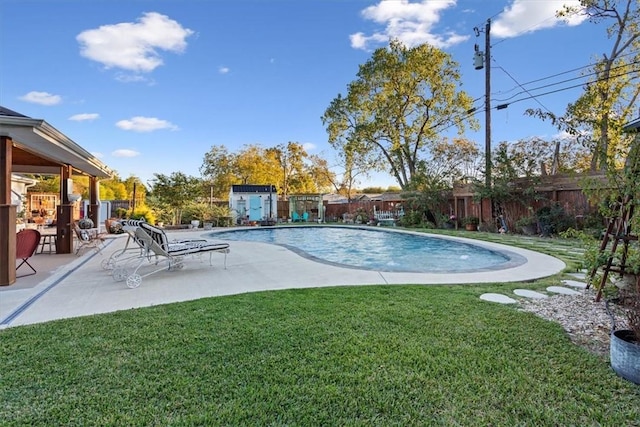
70, 286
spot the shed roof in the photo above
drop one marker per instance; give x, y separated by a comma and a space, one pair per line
253, 188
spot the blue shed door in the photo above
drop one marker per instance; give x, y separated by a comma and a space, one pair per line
255, 208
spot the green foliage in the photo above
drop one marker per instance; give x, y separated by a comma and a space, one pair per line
633, 311
507, 171
113, 189
610, 100
175, 192
394, 111
288, 167
143, 212
120, 212
46, 184
196, 211
526, 221
412, 218
418, 208
553, 219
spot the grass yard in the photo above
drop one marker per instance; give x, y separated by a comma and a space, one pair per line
377, 355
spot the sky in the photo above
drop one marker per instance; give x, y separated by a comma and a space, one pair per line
149, 86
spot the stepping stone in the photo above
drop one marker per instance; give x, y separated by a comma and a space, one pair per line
502, 299
562, 290
529, 294
575, 284
579, 275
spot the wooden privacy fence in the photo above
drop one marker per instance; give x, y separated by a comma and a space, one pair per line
561, 190
536, 193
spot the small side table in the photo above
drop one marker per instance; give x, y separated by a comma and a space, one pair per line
48, 240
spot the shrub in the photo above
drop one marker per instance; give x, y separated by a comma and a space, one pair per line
553, 219
145, 213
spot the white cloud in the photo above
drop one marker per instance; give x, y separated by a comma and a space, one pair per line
145, 124
134, 46
42, 98
84, 117
413, 23
524, 16
309, 146
124, 152
97, 155
223, 70
416, 22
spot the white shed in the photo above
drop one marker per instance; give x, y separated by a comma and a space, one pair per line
253, 203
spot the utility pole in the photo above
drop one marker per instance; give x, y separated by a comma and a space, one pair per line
487, 103
483, 60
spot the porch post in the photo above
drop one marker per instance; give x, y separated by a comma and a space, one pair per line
94, 204
64, 219
7, 216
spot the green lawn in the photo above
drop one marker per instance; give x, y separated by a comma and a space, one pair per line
378, 355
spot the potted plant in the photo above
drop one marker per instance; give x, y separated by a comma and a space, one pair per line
449, 222
471, 223
625, 343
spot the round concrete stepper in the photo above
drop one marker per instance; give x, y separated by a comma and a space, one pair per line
502, 299
529, 294
562, 290
580, 276
575, 284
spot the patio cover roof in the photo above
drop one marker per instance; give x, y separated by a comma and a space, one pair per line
34, 146
39, 148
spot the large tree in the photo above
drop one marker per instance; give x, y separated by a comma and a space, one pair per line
396, 109
610, 97
175, 192
293, 175
286, 166
218, 168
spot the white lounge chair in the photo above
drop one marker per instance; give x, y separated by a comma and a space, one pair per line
165, 254
132, 248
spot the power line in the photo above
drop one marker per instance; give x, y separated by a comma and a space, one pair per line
523, 88
474, 111
572, 79
573, 70
571, 87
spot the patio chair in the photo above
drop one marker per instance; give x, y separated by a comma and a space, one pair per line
165, 254
88, 238
27, 242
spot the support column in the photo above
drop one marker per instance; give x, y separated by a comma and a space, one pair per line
64, 237
94, 201
7, 216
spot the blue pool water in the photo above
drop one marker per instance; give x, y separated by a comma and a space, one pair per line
379, 250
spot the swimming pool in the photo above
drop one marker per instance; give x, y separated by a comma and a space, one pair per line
380, 250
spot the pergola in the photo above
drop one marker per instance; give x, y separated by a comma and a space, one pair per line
33, 146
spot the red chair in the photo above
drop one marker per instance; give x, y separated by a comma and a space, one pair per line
27, 242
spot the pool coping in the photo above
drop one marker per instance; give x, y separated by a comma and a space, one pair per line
513, 258
84, 288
